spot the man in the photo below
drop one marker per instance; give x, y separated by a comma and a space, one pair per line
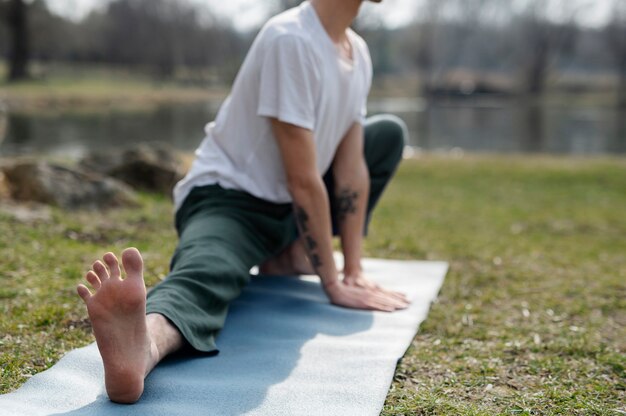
296, 107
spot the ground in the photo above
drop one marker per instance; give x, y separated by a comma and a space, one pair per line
98, 88
531, 319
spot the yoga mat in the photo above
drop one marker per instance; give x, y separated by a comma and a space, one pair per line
284, 351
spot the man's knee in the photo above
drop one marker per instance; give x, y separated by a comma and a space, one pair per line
392, 136
397, 134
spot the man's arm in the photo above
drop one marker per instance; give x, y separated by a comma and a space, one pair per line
352, 187
351, 194
312, 212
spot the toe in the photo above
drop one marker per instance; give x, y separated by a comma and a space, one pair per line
133, 263
113, 264
93, 279
100, 270
83, 292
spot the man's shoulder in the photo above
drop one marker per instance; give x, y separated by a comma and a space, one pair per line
286, 26
287, 36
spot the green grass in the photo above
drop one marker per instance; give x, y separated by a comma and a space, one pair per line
530, 321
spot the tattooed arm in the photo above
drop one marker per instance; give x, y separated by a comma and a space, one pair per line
351, 195
311, 205
312, 212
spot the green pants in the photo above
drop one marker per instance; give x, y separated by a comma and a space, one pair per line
223, 233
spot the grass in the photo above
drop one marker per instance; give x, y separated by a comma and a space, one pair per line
530, 321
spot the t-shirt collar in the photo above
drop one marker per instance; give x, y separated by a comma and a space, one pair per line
308, 8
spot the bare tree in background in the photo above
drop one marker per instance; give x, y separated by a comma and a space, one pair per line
17, 21
615, 34
150, 32
427, 36
543, 40
475, 17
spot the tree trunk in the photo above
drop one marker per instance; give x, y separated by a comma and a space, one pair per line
536, 76
621, 97
19, 53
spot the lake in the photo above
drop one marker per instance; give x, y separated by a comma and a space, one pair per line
478, 126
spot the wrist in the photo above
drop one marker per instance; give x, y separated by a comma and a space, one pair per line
330, 286
352, 269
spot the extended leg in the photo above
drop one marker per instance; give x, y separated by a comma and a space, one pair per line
222, 235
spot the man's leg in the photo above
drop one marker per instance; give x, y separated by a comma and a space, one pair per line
384, 140
222, 234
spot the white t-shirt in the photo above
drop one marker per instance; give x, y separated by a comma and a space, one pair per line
295, 73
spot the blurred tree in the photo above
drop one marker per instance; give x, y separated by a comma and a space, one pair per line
543, 39
4, 32
429, 35
474, 38
51, 36
17, 21
148, 32
615, 34
165, 34
371, 27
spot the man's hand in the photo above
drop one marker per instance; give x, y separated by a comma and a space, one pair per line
358, 280
359, 297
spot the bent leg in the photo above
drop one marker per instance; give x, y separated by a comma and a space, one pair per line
385, 137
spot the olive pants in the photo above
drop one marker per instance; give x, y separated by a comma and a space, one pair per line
224, 233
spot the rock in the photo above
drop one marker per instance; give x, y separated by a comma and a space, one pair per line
5, 193
151, 167
4, 121
64, 187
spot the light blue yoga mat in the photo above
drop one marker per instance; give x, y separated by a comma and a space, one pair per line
284, 351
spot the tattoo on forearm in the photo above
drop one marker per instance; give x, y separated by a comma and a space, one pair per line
310, 242
316, 262
346, 203
302, 219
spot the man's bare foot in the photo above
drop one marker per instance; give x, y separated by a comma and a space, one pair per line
117, 311
290, 261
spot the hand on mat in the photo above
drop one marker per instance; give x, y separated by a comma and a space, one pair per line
356, 297
357, 279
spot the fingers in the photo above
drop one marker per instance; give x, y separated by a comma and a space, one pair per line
396, 299
390, 301
396, 295
368, 284
370, 299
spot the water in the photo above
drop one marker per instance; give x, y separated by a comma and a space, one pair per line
478, 126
